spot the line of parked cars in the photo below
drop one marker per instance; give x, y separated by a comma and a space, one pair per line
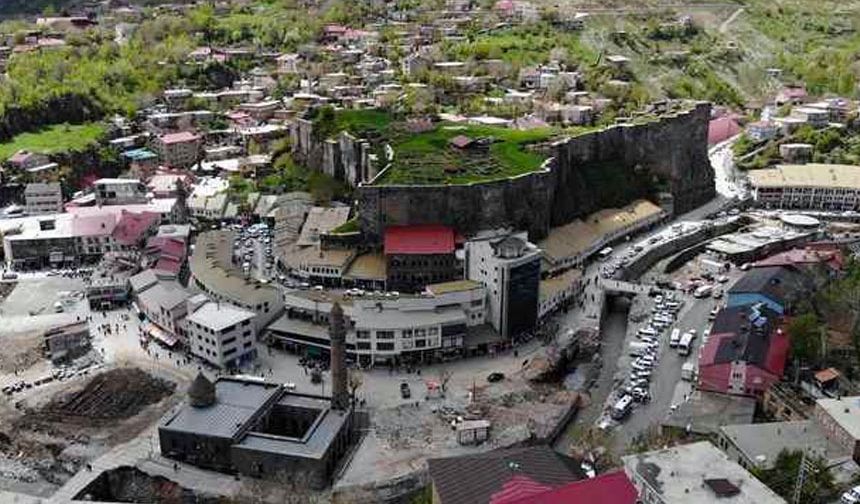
646, 351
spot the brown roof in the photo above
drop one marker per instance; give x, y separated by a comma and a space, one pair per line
826, 375
473, 479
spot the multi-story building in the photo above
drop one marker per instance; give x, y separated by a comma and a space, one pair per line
808, 187
509, 268
745, 353
178, 150
220, 333
43, 198
164, 304
840, 421
571, 245
116, 191
439, 323
695, 472
419, 255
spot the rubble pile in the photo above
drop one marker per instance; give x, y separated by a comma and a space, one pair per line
116, 394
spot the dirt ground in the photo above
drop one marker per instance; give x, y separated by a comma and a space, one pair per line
20, 350
46, 440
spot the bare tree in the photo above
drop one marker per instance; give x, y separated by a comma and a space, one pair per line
355, 381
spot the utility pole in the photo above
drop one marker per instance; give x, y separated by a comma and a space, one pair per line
802, 472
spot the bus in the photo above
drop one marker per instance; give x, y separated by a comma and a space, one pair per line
703, 291
605, 254
675, 338
686, 343
621, 408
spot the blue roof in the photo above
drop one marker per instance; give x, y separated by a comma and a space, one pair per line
139, 154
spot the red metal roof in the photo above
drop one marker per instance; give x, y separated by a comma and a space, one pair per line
182, 136
609, 488
132, 227
721, 129
517, 488
420, 239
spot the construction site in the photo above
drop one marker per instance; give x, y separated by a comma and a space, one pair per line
47, 437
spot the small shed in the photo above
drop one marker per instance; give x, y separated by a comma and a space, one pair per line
473, 432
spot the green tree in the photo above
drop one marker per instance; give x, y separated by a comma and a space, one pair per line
818, 487
805, 333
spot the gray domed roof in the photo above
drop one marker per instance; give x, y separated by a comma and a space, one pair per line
201, 393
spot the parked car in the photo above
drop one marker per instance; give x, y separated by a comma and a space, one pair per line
495, 377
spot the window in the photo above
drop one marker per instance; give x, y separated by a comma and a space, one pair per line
385, 335
248, 344
407, 333
420, 333
407, 344
362, 334
230, 352
420, 343
385, 346
433, 331
228, 341
363, 345
247, 333
434, 341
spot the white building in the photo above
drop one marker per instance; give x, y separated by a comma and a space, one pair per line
508, 266
117, 191
382, 327
220, 333
809, 186
43, 198
694, 473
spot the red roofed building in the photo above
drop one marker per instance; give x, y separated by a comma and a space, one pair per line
721, 129
133, 228
178, 150
166, 253
419, 255
825, 254
609, 488
745, 353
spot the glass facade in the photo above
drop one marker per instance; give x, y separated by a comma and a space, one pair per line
523, 298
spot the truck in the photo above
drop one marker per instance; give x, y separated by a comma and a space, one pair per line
688, 371
622, 407
686, 343
703, 291
675, 338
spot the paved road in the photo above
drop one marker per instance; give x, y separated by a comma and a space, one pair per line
667, 374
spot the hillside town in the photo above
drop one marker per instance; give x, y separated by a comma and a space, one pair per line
445, 252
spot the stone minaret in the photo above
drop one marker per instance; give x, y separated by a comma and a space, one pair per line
337, 333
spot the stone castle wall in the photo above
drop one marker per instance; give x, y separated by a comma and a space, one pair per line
596, 170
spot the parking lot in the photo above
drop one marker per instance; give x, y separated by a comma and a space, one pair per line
656, 369
253, 250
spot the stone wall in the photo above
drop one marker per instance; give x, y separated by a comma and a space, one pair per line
673, 150
597, 170
522, 202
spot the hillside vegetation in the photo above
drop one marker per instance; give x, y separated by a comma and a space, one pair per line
713, 51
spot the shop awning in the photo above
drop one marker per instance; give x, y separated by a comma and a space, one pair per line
160, 334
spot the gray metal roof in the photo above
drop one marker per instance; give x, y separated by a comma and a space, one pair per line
236, 403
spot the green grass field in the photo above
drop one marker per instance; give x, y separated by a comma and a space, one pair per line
428, 158
56, 138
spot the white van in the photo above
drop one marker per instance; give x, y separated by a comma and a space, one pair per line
621, 408
675, 338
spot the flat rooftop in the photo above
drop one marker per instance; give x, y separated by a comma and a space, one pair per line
762, 442
576, 237
217, 316
454, 286
845, 411
808, 175
706, 412
687, 473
